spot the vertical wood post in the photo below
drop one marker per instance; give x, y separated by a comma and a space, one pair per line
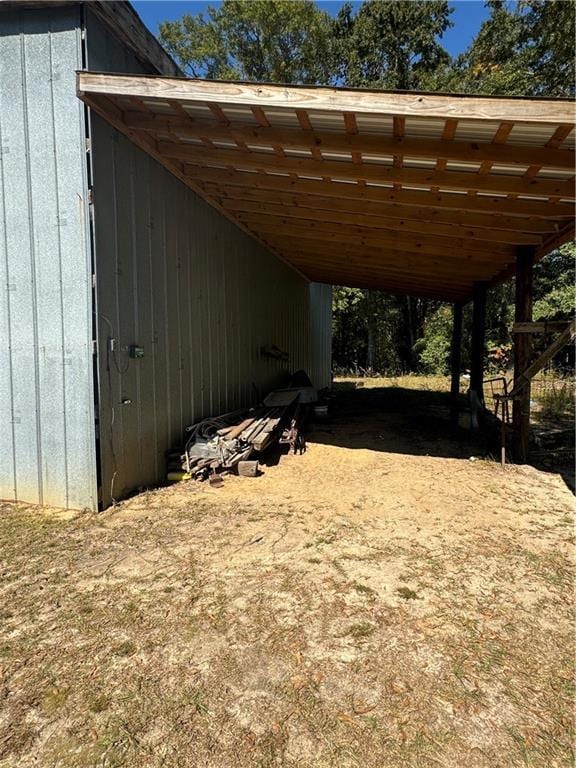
455, 362
522, 351
477, 341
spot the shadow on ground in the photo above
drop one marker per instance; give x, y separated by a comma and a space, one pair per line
397, 420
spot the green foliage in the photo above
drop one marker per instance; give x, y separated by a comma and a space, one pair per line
555, 289
433, 349
390, 44
285, 41
523, 49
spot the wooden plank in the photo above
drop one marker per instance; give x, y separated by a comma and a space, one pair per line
519, 110
352, 280
351, 141
373, 172
347, 191
407, 269
311, 245
544, 326
391, 277
382, 238
234, 198
301, 215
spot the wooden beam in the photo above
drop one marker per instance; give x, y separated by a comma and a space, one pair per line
470, 269
478, 340
382, 283
370, 222
522, 352
455, 362
458, 247
235, 198
481, 108
544, 326
417, 269
352, 141
311, 246
373, 172
460, 202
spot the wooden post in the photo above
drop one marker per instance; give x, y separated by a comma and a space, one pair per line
455, 360
522, 351
477, 342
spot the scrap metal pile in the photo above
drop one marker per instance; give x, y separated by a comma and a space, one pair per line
234, 441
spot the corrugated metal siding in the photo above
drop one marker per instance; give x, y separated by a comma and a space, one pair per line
46, 388
321, 334
200, 296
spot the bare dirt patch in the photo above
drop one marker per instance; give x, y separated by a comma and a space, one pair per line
379, 601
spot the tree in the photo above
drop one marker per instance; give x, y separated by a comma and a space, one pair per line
525, 49
389, 44
282, 41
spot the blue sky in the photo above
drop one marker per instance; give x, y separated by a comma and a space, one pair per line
467, 17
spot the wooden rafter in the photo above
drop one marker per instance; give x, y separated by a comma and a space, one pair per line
351, 188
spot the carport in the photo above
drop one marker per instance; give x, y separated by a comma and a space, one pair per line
435, 195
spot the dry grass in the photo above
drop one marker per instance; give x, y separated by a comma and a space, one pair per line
361, 605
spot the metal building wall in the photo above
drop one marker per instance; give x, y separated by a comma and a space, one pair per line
200, 296
47, 433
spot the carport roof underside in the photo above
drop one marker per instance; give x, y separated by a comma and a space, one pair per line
413, 193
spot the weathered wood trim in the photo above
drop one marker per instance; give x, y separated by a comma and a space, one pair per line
346, 191
520, 110
373, 172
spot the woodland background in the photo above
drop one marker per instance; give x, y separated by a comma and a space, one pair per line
525, 48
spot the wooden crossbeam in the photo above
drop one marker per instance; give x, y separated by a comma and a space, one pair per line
406, 268
544, 326
404, 240
565, 338
265, 95
368, 221
314, 241
236, 197
351, 141
373, 172
348, 191
351, 279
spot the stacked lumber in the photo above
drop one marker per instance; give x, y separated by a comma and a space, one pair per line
234, 441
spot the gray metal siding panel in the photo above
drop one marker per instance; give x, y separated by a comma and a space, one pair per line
48, 434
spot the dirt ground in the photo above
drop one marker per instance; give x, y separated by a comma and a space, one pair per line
381, 601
